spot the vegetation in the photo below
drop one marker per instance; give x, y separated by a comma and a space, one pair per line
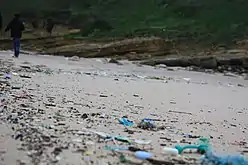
212, 21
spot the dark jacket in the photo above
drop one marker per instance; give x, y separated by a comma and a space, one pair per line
16, 27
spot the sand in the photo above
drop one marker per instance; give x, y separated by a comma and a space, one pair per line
210, 105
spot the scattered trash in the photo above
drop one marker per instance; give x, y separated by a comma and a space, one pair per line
25, 76
122, 139
211, 158
191, 136
25, 66
47, 121
202, 147
187, 79
50, 104
114, 61
143, 155
229, 74
7, 76
16, 87
103, 95
124, 121
73, 58
170, 151
239, 143
173, 102
187, 113
147, 124
135, 95
142, 142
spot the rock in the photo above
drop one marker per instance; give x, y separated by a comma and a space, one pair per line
194, 61
170, 69
16, 87
208, 62
237, 51
25, 76
114, 61
74, 58
50, 104
240, 85
235, 61
21, 162
173, 102
149, 62
25, 66
223, 61
161, 66
57, 150
245, 62
183, 62
84, 116
133, 56
129, 131
229, 74
103, 95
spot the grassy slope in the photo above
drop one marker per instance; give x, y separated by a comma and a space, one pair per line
213, 20
198, 20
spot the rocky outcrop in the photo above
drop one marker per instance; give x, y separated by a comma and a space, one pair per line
150, 45
220, 63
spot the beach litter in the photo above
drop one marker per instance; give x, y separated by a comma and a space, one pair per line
147, 124
124, 121
211, 158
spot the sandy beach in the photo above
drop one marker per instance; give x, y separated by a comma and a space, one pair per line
54, 105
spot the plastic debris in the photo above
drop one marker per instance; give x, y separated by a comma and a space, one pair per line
202, 147
124, 121
123, 158
211, 158
170, 151
122, 139
143, 155
147, 124
7, 76
142, 142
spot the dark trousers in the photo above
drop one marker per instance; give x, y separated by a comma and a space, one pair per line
16, 46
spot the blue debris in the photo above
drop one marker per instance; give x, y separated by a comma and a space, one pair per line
7, 76
124, 121
211, 158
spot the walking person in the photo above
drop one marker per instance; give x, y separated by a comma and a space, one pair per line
16, 28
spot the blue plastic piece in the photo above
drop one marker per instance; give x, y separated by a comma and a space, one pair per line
143, 155
7, 76
124, 121
211, 158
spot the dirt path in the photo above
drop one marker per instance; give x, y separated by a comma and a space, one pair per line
52, 106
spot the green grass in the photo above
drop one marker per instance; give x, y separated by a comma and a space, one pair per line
212, 21
207, 21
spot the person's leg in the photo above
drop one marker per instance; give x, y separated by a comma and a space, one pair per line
16, 46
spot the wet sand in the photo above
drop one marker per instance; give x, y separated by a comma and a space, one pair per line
201, 104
